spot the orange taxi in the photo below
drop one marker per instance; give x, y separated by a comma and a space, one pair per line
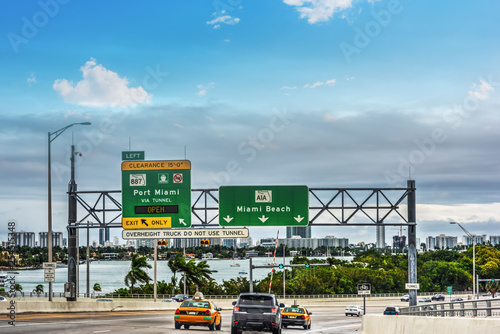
296, 316
198, 312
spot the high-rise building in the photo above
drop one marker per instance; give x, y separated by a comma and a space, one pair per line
446, 242
380, 231
398, 241
24, 239
106, 234
430, 243
494, 240
101, 236
301, 231
57, 239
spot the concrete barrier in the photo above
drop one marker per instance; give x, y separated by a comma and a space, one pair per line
380, 324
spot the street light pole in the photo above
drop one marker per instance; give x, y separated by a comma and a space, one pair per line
51, 137
473, 236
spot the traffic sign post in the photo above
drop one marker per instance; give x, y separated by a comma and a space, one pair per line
263, 206
364, 289
49, 275
156, 194
412, 286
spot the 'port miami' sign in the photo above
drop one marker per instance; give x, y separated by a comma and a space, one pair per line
263, 206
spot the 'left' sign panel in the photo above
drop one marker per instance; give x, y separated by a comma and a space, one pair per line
156, 194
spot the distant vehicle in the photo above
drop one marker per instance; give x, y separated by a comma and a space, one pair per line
457, 300
180, 297
3, 299
391, 310
168, 300
104, 300
296, 316
438, 297
405, 298
354, 310
198, 311
424, 300
256, 312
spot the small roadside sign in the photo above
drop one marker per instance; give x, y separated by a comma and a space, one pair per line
412, 286
132, 155
364, 289
449, 289
49, 275
49, 265
193, 233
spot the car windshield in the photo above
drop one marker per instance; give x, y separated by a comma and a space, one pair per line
192, 303
293, 310
256, 300
390, 309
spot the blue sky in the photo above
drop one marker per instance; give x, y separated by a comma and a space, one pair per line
355, 93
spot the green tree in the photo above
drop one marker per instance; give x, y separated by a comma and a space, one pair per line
137, 272
97, 287
18, 287
38, 289
178, 263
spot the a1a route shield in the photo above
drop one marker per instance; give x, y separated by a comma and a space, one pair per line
156, 194
263, 206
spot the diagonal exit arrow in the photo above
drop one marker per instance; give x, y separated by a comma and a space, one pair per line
263, 218
298, 218
228, 219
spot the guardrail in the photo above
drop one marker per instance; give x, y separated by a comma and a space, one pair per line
97, 294
467, 308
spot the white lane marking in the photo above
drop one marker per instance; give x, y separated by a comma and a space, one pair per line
336, 327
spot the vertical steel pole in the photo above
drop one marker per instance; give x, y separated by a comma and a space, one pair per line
49, 234
156, 263
72, 237
88, 262
251, 276
412, 241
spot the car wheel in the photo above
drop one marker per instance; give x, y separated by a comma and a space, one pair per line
357, 315
186, 326
177, 325
211, 327
234, 330
309, 327
219, 326
305, 326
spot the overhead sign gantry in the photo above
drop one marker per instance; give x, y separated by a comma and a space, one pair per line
156, 194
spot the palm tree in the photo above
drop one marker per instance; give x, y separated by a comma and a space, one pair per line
137, 273
178, 263
493, 287
97, 287
38, 290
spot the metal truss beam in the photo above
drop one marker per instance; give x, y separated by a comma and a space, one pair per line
327, 207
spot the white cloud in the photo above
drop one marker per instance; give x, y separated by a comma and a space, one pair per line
100, 87
349, 78
203, 89
222, 18
31, 79
481, 91
329, 83
318, 10
288, 87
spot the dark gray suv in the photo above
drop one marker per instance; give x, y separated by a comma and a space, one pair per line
256, 312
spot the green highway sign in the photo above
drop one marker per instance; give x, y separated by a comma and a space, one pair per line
156, 194
133, 155
263, 206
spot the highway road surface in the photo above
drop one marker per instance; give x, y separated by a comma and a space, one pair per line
324, 320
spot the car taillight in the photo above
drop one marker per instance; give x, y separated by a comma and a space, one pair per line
177, 311
303, 316
207, 312
237, 308
397, 313
274, 309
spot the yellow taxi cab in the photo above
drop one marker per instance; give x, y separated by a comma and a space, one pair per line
198, 312
296, 315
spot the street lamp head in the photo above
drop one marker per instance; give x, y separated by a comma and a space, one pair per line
453, 222
85, 123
